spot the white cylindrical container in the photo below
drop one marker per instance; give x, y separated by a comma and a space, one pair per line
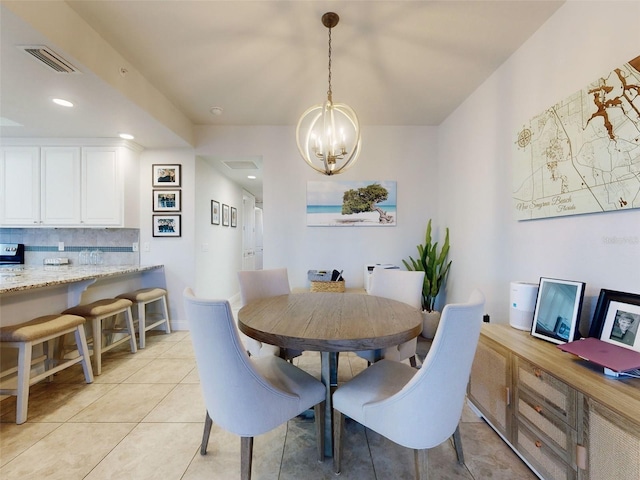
523, 303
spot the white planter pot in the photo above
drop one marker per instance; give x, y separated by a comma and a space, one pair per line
430, 321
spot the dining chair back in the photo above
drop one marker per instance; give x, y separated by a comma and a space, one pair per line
257, 284
418, 409
254, 285
243, 395
403, 286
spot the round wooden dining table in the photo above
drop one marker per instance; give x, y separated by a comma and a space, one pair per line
330, 323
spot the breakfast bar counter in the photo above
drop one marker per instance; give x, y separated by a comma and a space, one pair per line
29, 291
19, 278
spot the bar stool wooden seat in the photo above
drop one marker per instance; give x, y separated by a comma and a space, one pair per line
142, 298
39, 331
99, 311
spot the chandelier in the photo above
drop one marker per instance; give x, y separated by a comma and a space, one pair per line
328, 134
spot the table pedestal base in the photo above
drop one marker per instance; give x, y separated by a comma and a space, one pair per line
329, 376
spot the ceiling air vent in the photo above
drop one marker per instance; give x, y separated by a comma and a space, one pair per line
50, 58
241, 165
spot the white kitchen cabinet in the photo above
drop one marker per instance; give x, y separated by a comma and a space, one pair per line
68, 185
60, 185
20, 186
101, 187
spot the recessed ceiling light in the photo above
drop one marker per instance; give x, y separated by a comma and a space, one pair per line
251, 177
216, 110
126, 136
62, 102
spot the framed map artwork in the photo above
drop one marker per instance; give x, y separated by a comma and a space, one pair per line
581, 155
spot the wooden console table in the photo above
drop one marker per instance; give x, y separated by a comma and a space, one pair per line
560, 414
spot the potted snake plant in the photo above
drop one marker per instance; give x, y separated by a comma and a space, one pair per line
434, 264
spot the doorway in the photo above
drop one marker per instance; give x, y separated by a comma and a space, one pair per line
249, 232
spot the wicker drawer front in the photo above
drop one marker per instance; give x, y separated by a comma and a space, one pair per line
553, 431
557, 396
613, 445
488, 387
541, 456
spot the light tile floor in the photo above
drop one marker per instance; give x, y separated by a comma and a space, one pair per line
143, 419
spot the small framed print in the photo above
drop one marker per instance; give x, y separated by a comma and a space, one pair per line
234, 217
617, 319
557, 310
225, 215
166, 225
166, 200
215, 212
166, 175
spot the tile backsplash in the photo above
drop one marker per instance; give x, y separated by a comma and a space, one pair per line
116, 244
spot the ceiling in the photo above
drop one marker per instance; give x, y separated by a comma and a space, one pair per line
162, 65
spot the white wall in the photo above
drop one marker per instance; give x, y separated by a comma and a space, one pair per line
217, 249
404, 154
458, 173
489, 248
175, 253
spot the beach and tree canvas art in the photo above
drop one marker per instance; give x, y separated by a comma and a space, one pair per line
351, 203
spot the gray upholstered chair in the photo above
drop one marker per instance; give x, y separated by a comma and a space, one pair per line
257, 284
246, 395
402, 286
254, 285
418, 409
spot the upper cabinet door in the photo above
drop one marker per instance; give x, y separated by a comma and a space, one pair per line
60, 179
101, 187
20, 186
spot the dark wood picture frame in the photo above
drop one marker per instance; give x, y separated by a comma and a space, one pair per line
234, 217
166, 175
167, 225
167, 200
215, 212
225, 215
605, 324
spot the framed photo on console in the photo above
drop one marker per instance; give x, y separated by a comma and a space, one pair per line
617, 319
557, 312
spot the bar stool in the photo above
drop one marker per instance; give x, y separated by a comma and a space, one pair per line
39, 331
142, 298
99, 311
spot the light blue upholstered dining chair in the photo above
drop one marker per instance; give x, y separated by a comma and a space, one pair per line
417, 409
256, 284
405, 287
243, 395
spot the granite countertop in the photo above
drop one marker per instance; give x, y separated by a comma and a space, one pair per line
27, 277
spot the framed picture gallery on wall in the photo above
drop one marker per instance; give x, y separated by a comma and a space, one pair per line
166, 225
225, 215
215, 212
166, 200
166, 175
234, 217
